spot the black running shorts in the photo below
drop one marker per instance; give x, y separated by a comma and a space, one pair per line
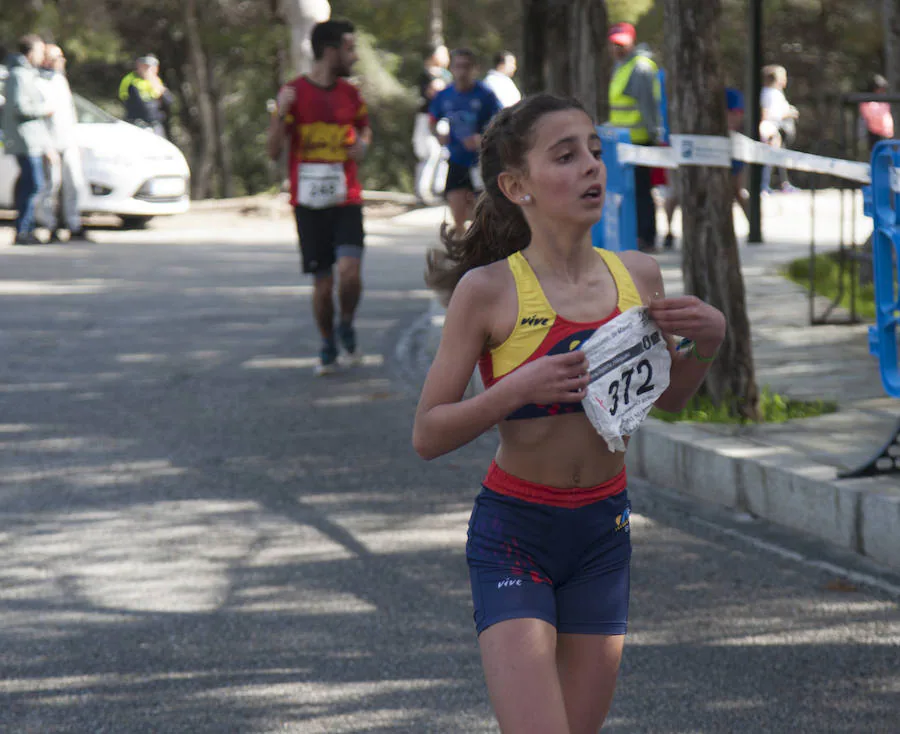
328, 234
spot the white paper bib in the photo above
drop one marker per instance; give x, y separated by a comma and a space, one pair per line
321, 185
629, 367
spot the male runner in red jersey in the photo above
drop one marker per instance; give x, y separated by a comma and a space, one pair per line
325, 122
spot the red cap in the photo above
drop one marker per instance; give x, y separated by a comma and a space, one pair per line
622, 34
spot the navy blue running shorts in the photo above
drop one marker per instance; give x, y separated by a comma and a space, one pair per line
567, 566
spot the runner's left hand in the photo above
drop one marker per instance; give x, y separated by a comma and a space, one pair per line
691, 318
472, 143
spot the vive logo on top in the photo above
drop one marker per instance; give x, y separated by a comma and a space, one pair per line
535, 320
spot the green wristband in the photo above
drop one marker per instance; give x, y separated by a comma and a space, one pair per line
700, 358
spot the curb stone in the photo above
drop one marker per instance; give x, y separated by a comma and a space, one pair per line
776, 484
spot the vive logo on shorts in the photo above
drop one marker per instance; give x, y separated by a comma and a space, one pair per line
509, 582
623, 521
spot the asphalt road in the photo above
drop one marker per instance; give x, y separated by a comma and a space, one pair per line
199, 536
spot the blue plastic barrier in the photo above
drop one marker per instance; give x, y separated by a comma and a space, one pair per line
617, 229
882, 203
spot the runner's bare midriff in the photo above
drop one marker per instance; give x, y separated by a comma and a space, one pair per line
560, 451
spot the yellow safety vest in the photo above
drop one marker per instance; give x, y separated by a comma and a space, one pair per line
623, 110
143, 86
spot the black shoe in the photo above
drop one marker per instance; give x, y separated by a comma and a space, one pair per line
669, 242
78, 235
27, 238
54, 238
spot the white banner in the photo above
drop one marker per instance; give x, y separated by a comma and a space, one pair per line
646, 155
711, 150
702, 150
752, 151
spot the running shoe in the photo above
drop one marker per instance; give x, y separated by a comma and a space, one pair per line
327, 359
347, 336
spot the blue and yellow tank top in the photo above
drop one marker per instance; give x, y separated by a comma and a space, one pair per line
540, 330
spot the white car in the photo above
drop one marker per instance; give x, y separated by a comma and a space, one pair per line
129, 171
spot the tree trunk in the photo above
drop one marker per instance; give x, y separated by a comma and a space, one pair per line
891, 21
223, 149
711, 263
203, 164
301, 16
436, 23
565, 51
534, 35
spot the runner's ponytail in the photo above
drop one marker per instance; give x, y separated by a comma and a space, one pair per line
498, 227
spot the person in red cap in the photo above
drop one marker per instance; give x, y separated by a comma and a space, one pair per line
634, 102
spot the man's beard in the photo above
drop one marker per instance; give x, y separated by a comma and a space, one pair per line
342, 71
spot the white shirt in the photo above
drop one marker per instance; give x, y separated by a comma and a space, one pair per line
63, 120
774, 104
502, 86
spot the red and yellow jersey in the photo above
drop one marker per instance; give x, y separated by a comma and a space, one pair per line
540, 330
321, 124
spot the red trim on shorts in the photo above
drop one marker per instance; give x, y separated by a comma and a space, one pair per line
501, 482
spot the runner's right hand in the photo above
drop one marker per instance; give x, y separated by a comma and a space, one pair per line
557, 378
286, 97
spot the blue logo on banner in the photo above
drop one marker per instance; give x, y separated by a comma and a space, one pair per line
687, 149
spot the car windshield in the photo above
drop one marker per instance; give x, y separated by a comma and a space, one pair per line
90, 113
87, 112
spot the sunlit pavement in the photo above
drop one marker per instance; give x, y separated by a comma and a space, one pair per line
200, 536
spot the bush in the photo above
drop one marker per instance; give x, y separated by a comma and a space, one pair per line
774, 408
830, 282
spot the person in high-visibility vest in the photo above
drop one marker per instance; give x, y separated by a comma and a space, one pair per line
634, 101
147, 100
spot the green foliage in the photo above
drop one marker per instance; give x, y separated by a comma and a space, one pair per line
829, 282
628, 11
774, 408
390, 162
828, 47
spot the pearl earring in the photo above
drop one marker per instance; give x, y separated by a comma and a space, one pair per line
526, 199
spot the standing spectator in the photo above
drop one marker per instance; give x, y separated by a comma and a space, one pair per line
434, 78
499, 79
778, 120
468, 106
876, 116
58, 203
325, 122
634, 101
147, 100
734, 106
25, 131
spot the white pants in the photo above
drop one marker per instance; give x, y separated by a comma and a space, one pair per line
431, 170
62, 193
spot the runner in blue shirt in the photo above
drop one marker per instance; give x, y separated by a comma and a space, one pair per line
467, 105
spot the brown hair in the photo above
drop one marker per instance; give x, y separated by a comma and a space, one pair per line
498, 228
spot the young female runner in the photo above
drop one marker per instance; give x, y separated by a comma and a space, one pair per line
549, 544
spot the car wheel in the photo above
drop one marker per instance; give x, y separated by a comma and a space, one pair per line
135, 222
